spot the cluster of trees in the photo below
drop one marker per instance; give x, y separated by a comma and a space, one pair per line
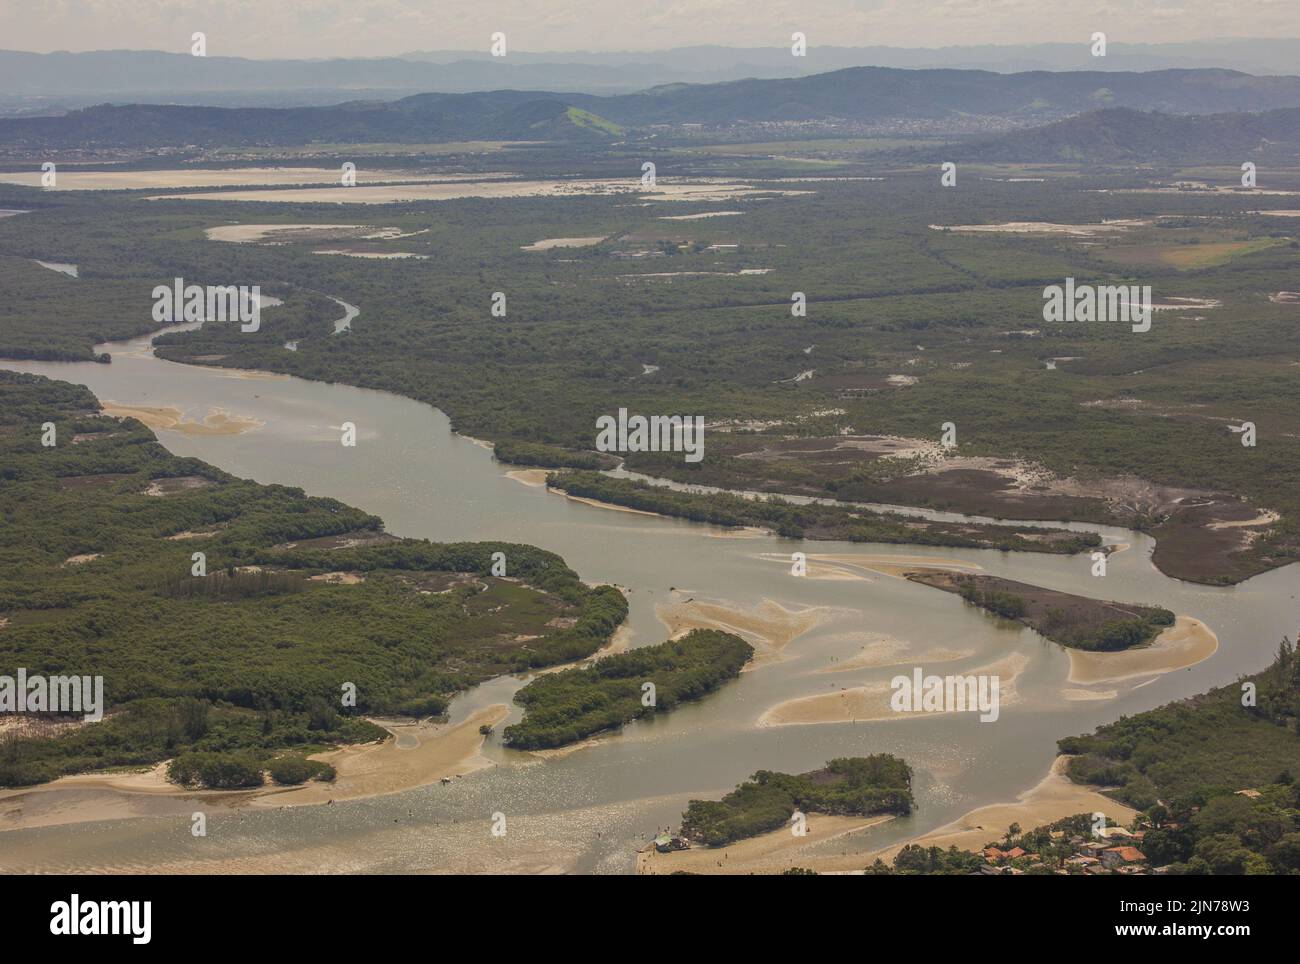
565, 707
813, 521
549, 456
856, 786
270, 652
1001, 603
1079, 622
1184, 764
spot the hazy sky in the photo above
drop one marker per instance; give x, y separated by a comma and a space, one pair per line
342, 28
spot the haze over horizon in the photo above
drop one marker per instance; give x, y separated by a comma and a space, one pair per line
390, 28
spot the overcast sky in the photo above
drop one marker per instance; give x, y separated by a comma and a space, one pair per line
350, 28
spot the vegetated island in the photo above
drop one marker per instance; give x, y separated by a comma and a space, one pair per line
571, 705
242, 670
843, 523
1074, 621
846, 786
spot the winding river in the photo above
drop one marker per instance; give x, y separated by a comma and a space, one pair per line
589, 809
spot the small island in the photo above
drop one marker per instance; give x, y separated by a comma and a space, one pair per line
846, 786
569, 706
840, 522
1077, 622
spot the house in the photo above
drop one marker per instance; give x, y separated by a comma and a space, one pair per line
993, 855
667, 843
1014, 853
1119, 856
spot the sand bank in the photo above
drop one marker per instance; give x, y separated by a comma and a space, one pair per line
771, 627
1055, 798
368, 770
534, 477
872, 701
1186, 643
768, 853
548, 243
374, 769
892, 565
217, 422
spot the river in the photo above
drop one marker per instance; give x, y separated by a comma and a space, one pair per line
589, 810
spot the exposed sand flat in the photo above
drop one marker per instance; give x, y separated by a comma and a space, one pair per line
768, 853
697, 217
419, 754
892, 565
187, 534
378, 768
1277, 214
533, 477
771, 626
883, 650
700, 190
604, 505
871, 702
1035, 227
82, 559
1083, 696
1055, 798
61, 267
70, 179
1267, 517
1186, 643
549, 243
282, 233
1285, 298
217, 422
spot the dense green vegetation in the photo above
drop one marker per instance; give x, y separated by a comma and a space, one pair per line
855, 786
1185, 764
958, 313
813, 521
549, 456
96, 577
573, 704
1079, 622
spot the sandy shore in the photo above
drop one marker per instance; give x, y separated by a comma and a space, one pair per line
770, 627
533, 477
768, 853
872, 701
1054, 798
604, 505
830, 848
368, 770
888, 565
373, 769
1186, 643
217, 422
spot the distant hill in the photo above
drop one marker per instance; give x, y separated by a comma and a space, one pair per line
1121, 135
503, 115
879, 93
864, 95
